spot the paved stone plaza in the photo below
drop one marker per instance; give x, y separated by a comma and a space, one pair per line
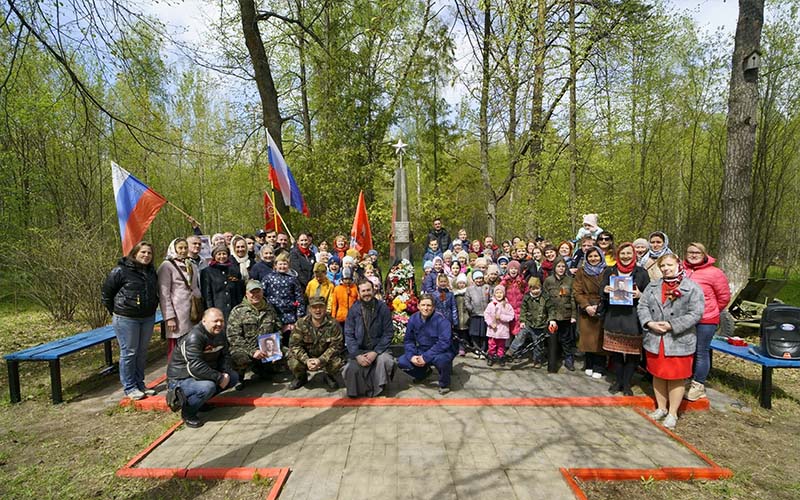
420, 451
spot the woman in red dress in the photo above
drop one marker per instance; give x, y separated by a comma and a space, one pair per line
668, 310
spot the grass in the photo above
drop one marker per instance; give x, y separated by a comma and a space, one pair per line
73, 450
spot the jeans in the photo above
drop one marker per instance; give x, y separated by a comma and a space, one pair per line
537, 336
702, 356
133, 335
198, 392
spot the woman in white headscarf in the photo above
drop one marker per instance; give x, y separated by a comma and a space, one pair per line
178, 282
240, 256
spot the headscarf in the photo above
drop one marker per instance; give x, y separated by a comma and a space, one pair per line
244, 262
652, 254
595, 270
641, 241
172, 254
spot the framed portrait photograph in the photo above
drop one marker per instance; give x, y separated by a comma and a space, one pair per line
270, 344
622, 291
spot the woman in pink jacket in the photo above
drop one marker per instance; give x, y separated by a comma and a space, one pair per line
717, 293
498, 315
178, 282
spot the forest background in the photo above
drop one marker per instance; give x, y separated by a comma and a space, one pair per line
566, 107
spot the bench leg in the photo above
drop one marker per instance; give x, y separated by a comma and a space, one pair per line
55, 381
766, 387
109, 354
13, 380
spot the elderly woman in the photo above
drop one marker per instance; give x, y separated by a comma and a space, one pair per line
240, 256
586, 291
179, 285
428, 342
669, 310
221, 283
263, 267
130, 293
641, 246
717, 293
622, 333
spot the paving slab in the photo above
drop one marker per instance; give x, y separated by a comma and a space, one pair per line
425, 452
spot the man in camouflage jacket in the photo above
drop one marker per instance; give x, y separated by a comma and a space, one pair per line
254, 316
316, 344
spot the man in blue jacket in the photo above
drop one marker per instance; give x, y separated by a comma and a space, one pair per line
428, 342
367, 335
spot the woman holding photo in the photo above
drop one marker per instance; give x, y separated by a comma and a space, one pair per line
622, 333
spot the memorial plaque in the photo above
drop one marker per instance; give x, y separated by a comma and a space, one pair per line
402, 232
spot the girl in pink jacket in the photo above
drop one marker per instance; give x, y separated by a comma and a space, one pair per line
516, 287
498, 315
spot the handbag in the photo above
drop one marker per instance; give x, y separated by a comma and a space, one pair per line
197, 310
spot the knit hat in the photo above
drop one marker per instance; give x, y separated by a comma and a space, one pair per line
462, 278
373, 252
348, 260
427, 265
590, 219
477, 274
641, 241
334, 259
347, 273
503, 258
319, 267
521, 245
447, 254
514, 264
352, 253
534, 282
499, 287
493, 268
462, 254
220, 248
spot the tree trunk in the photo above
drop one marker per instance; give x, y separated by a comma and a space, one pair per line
734, 240
261, 69
573, 122
483, 124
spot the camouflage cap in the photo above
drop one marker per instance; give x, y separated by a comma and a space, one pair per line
316, 300
252, 285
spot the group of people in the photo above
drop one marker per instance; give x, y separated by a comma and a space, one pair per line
333, 312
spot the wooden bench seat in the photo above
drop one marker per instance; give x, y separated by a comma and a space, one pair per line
53, 351
754, 354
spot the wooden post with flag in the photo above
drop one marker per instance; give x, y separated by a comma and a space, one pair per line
361, 234
271, 216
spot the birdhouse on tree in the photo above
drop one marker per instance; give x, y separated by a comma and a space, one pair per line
753, 61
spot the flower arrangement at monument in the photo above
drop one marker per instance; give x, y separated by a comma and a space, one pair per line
400, 297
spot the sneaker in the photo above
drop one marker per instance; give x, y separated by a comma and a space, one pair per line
659, 414
696, 391
597, 375
589, 372
569, 363
330, 382
150, 392
297, 383
537, 364
444, 390
239, 386
135, 395
670, 422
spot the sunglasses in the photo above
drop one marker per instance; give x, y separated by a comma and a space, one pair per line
604, 238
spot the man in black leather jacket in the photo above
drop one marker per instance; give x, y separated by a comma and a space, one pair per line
201, 365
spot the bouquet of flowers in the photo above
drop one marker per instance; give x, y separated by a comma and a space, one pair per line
400, 297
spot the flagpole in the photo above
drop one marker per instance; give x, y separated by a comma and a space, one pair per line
181, 211
274, 208
283, 221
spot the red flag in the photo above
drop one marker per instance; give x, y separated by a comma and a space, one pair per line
271, 220
361, 234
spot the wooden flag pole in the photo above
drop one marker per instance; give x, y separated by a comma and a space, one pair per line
191, 219
283, 221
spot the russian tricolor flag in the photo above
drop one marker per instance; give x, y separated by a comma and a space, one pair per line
282, 179
137, 206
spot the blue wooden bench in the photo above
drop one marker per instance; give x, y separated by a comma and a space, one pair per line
52, 352
754, 354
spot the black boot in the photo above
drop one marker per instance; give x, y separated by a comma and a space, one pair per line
298, 383
330, 382
489, 360
190, 420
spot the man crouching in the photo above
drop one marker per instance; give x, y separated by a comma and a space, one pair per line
201, 365
316, 343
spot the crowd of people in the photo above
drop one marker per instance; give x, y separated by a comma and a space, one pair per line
327, 308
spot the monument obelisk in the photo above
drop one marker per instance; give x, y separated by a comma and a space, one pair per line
401, 227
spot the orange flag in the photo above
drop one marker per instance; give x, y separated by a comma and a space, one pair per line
271, 220
361, 234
